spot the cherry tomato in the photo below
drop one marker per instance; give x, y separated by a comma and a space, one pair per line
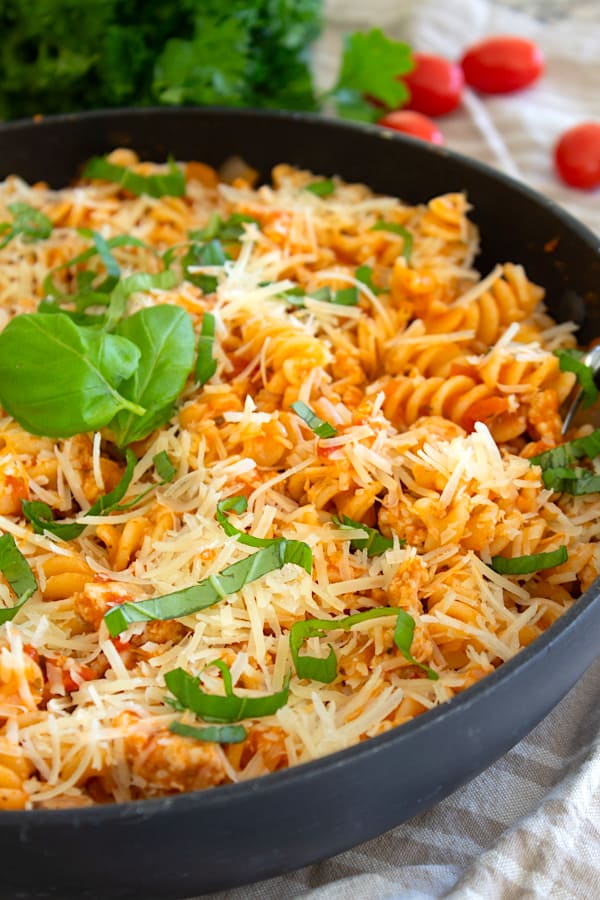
435, 85
414, 123
577, 156
499, 65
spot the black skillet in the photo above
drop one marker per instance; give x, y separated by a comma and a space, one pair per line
179, 846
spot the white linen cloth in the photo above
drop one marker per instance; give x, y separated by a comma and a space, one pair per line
529, 826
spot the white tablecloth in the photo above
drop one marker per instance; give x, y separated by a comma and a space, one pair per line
529, 826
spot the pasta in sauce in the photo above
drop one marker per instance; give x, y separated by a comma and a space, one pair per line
439, 386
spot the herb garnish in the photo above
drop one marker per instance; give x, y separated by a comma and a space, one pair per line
164, 336
365, 275
17, 572
375, 543
212, 589
42, 518
228, 230
395, 228
322, 188
217, 734
325, 670
321, 428
557, 474
169, 184
526, 565
567, 453
209, 254
571, 360
239, 505
206, 364
31, 223
215, 708
90, 294
342, 297
58, 379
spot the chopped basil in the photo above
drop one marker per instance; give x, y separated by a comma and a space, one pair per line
375, 543
397, 229
31, 223
325, 670
217, 734
239, 505
42, 518
572, 361
169, 184
206, 364
166, 471
212, 589
567, 453
164, 467
216, 708
17, 572
142, 281
230, 229
526, 565
322, 188
321, 428
210, 254
346, 296
576, 481
102, 247
365, 275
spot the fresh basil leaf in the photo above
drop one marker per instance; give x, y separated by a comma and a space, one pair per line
365, 275
210, 254
567, 453
294, 297
215, 708
322, 188
169, 184
42, 517
212, 589
164, 336
231, 229
164, 467
375, 543
17, 572
206, 364
322, 294
576, 481
321, 428
58, 379
526, 565
85, 279
142, 281
239, 505
325, 670
346, 296
572, 361
407, 244
108, 502
31, 223
217, 734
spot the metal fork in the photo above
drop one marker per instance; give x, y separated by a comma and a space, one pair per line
591, 359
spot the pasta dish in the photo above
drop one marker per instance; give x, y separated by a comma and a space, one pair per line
280, 470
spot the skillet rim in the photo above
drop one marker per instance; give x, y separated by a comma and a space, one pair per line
566, 625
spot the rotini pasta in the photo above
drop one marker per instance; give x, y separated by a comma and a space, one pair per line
367, 397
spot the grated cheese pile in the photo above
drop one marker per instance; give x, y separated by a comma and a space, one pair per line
440, 383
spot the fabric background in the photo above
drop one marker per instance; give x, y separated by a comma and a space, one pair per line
529, 826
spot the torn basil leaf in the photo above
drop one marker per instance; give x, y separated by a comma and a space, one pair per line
19, 575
